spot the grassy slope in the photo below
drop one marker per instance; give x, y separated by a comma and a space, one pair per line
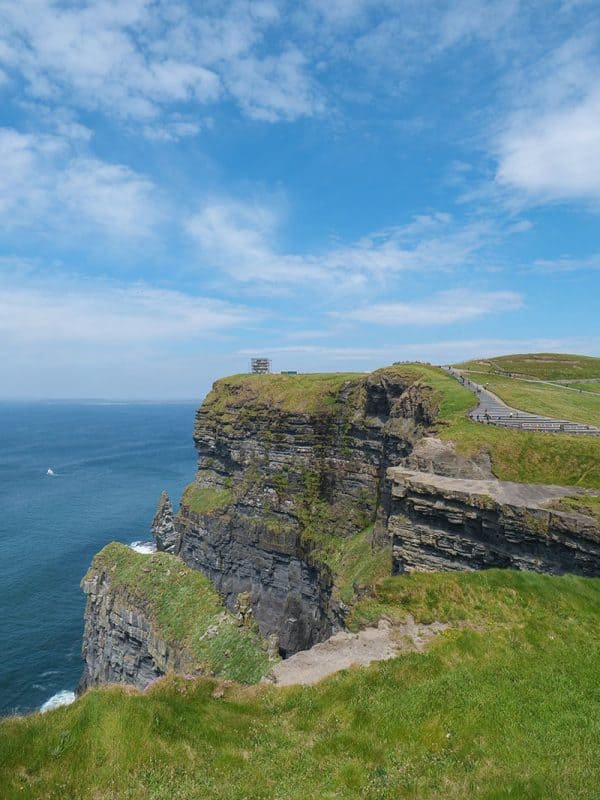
304, 393
587, 386
543, 398
508, 707
543, 366
183, 604
516, 455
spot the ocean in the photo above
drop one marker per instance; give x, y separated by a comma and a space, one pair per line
110, 461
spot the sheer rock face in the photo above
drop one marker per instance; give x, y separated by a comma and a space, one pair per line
163, 529
443, 523
294, 477
120, 642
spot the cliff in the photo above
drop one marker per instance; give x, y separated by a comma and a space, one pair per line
439, 523
290, 470
147, 616
309, 491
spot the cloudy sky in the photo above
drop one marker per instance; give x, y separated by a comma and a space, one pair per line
336, 184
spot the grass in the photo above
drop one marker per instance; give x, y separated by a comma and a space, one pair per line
506, 707
521, 456
587, 386
304, 393
543, 398
183, 605
543, 366
206, 500
583, 504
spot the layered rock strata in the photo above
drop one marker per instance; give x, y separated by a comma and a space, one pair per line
443, 523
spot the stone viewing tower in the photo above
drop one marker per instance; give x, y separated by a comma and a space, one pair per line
260, 366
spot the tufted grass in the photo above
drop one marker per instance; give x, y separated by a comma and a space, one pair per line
505, 706
543, 366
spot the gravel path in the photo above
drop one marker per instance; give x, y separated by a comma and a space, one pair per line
344, 650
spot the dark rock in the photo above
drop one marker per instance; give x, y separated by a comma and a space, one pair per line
163, 529
440, 523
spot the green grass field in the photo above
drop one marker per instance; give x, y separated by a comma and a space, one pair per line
542, 366
585, 386
550, 400
504, 705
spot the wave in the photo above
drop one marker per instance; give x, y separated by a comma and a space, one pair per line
143, 547
62, 698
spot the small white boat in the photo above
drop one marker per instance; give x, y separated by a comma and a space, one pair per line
50, 471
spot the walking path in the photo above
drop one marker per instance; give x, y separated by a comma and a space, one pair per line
344, 650
492, 410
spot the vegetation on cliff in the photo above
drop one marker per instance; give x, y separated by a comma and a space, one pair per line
185, 610
505, 704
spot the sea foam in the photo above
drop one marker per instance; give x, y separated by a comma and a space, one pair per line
143, 547
62, 698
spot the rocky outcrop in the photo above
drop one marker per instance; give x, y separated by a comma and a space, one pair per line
290, 471
442, 523
121, 643
162, 529
147, 615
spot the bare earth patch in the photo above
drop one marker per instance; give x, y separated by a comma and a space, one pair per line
344, 650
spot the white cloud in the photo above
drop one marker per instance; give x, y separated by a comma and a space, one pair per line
556, 155
316, 357
43, 176
567, 264
455, 305
104, 315
274, 87
241, 240
548, 147
138, 60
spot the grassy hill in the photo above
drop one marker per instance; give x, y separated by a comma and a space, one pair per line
541, 366
516, 455
505, 704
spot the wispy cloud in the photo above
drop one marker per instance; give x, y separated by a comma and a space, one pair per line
444, 308
141, 60
567, 264
47, 177
103, 315
548, 150
240, 239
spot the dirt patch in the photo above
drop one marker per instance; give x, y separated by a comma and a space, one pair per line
344, 650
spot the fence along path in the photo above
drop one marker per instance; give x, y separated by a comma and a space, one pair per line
491, 410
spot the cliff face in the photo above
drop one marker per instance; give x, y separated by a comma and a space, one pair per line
281, 468
120, 640
440, 523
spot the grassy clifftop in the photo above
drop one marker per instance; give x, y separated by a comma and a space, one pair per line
540, 366
521, 456
504, 704
304, 393
184, 606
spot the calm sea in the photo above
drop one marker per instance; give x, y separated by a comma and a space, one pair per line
110, 463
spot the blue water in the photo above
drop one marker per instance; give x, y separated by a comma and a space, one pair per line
111, 463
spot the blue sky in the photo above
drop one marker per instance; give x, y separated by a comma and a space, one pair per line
336, 185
